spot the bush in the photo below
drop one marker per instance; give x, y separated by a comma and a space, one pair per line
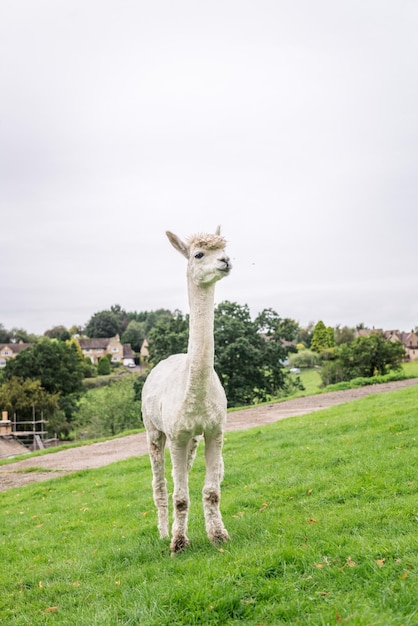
304, 358
103, 367
109, 410
362, 381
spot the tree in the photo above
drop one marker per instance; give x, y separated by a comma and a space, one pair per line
169, 336
322, 337
20, 395
121, 317
150, 318
5, 335
107, 323
134, 335
103, 366
249, 355
75, 330
58, 332
343, 335
370, 356
364, 357
20, 334
305, 334
56, 364
238, 349
109, 410
102, 324
304, 358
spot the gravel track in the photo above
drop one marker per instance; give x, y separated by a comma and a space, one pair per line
99, 454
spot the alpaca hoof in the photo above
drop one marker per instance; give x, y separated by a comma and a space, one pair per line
220, 537
178, 544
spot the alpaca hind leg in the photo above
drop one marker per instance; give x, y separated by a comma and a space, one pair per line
179, 459
156, 445
212, 489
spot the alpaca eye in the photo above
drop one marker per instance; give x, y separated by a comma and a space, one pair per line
199, 255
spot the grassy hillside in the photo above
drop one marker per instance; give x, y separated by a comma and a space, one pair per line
322, 511
312, 382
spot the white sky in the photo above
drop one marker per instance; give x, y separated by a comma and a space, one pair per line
292, 123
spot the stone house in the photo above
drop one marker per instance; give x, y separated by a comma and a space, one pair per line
408, 340
95, 349
10, 350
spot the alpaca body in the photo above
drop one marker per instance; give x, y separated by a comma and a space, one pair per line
190, 411
183, 399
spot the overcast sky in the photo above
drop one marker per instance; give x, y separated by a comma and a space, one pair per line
292, 123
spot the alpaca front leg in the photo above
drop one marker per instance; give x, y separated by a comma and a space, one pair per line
179, 459
212, 489
156, 446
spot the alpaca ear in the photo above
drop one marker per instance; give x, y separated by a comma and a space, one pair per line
178, 244
218, 230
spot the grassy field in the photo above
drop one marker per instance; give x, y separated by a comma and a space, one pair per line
311, 378
322, 511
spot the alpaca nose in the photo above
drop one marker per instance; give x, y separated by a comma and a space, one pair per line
226, 260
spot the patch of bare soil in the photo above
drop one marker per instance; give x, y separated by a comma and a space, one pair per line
95, 455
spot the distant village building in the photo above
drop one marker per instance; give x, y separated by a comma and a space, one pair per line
408, 340
10, 350
95, 349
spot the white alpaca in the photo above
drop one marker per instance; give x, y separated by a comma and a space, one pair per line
183, 398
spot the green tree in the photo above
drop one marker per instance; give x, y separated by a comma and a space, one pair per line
18, 395
370, 356
168, 336
58, 332
364, 357
322, 337
22, 397
238, 352
121, 317
5, 335
103, 366
304, 358
305, 334
151, 318
20, 334
107, 323
102, 324
249, 355
56, 364
343, 335
134, 335
109, 410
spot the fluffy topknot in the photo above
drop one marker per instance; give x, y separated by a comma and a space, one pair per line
207, 240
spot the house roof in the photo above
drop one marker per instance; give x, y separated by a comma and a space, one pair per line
127, 351
15, 347
94, 344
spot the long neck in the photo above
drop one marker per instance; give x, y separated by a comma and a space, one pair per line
201, 348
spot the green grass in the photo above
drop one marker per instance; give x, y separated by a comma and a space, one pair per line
322, 511
411, 369
311, 380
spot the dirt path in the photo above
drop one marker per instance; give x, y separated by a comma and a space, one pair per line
104, 453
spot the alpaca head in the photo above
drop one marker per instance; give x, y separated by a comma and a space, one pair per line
207, 259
